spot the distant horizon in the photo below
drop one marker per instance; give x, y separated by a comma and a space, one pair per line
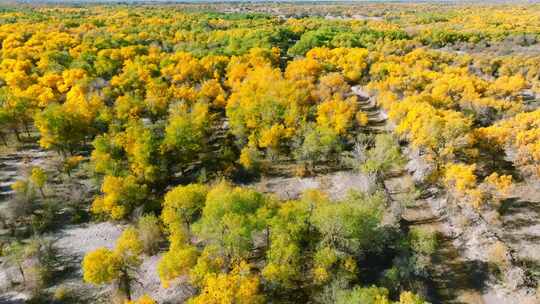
269, 1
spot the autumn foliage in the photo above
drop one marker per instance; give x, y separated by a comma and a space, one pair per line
169, 110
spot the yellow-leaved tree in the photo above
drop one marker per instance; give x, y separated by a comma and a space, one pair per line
461, 180
104, 266
181, 206
238, 286
120, 196
145, 299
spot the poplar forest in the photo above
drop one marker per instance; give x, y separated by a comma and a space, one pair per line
270, 152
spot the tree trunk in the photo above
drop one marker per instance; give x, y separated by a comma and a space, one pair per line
188, 229
22, 273
4, 141
42, 192
125, 284
17, 135
26, 129
267, 237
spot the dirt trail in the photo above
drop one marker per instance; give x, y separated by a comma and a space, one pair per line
455, 277
13, 165
377, 119
459, 270
520, 229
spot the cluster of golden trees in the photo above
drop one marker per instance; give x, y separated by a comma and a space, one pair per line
219, 234
455, 116
161, 97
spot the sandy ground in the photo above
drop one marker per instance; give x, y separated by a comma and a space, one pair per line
78, 240
73, 242
150, 284
13, 167
336, 185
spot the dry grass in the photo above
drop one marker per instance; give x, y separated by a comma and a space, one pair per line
498, 254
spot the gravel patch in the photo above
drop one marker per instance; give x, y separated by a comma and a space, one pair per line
13, 298
77, 240
337, 185
149, 283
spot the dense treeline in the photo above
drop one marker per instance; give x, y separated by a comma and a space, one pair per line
160, 101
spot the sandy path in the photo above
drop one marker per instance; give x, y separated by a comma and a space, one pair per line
459, 269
